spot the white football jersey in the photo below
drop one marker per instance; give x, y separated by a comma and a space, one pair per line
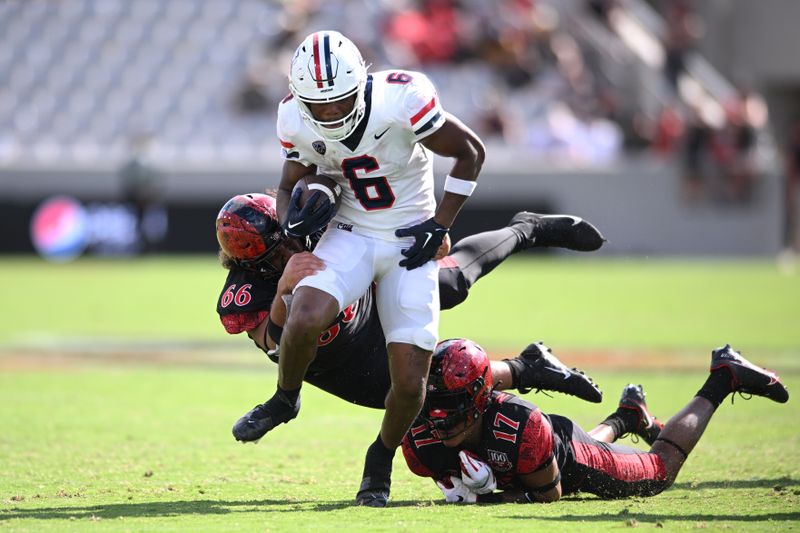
385, 173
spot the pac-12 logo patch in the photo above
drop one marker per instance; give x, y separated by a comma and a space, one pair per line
319, 146
499, 460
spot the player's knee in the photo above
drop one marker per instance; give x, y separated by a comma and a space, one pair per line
672, 461
672, 475
657, 487
409, 389
308, 319
409, 365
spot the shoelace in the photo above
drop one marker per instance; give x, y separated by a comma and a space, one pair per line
746, 396
633, 435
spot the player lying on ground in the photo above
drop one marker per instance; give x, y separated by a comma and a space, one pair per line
351, 360
472, 439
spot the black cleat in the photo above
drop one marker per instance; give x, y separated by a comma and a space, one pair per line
648, 426
264, 417
373, 493
537, 368
559, 231
747, 377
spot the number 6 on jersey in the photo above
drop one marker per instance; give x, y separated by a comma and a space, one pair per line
372, 192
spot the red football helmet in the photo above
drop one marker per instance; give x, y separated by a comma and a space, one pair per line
249, 232
459, 385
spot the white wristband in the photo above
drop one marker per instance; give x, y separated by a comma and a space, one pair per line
459, 186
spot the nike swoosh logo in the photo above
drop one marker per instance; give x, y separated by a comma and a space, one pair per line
429, 234
575, 220
379, 135
290, 225
558, 371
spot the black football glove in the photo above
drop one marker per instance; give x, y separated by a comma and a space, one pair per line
429, 236
301, 222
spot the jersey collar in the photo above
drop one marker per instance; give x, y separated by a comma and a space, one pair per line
352, 141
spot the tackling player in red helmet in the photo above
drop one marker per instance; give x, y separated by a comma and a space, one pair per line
472, 440
459, 387
250, 235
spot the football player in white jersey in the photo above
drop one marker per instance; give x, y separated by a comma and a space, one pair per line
375, 135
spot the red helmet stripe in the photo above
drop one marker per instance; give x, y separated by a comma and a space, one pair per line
286, 144
317, 67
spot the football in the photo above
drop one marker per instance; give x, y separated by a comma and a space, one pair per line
319, 182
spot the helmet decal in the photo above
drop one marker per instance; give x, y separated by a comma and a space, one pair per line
249, 233
459, 386
323, 62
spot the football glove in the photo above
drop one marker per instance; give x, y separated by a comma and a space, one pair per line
455, 491
476, 475
428, 237
301, 222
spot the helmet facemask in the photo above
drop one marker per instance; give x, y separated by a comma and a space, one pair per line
445, 410
334, 130
271, 263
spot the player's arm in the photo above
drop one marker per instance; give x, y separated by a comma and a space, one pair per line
258, 334
267, 333
298, 267
543, 486
537, 468
291, 174
455, 140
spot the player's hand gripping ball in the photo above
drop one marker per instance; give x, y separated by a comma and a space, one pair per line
455, 491
315, 199
475, 474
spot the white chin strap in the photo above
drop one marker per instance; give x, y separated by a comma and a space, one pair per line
337, 133
348, 124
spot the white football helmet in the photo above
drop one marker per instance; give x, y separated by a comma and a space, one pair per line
327, 67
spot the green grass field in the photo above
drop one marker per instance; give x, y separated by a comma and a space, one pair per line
95, 436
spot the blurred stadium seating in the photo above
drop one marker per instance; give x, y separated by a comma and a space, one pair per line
563, 89
80, 77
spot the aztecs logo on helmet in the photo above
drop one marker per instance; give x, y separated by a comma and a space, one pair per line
459, 386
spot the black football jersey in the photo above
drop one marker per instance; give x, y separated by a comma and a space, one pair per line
356, 332
246, 292
516, 439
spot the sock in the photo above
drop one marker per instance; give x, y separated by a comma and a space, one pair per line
379, 459
513, 367
477, 255
717, 387
290, 395
525, 232
380, 450
622, 421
